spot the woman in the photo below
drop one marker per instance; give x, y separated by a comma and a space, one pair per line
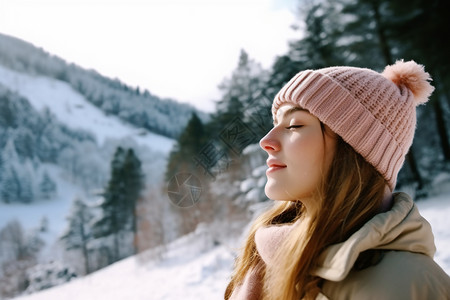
336, 230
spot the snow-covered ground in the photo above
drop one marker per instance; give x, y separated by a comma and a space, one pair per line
437, 211
192, 268
72, 109
189, 268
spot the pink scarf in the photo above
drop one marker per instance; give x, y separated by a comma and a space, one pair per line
267, 240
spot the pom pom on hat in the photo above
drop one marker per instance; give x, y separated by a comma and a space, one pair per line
412, 76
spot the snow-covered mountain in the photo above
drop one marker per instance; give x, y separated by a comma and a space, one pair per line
72, 109
133, 105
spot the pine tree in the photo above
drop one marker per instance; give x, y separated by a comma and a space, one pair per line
43, 226
189, 144
24, 141
317, 48
243, 109
17, 176
78, 233
118, 214
241, 91
47, 187
11, 185
113, 215
134, 183
364, 34
13, 241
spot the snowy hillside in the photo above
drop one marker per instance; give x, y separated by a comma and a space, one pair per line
75, 111
133, 105
192, 268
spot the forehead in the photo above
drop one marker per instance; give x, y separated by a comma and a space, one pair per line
287, 109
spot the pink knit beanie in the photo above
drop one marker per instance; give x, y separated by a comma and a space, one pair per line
374, 113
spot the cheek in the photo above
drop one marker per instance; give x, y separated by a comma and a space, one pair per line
308, 152
308, 170
304, 170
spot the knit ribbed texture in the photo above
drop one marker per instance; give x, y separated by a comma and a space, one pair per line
370, 112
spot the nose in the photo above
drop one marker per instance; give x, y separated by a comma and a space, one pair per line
269, 142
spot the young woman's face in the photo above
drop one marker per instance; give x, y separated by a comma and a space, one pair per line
299, 153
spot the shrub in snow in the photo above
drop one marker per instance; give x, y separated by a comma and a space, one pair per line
13, 279
47, 186
44, 276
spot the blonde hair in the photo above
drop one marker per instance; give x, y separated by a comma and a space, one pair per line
350, 193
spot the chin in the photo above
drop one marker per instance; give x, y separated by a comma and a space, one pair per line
277, 192
274, 193
269, 190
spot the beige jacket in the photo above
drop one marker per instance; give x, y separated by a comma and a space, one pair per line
407, 270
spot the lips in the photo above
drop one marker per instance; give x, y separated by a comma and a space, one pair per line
274, 165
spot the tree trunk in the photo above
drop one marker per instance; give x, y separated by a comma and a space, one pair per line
441, 127
116, 247
384, 45
410, 157
442, 95
135, 228
84, 250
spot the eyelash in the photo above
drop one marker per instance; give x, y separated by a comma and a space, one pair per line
294, 126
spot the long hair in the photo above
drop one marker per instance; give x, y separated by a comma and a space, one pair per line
350, 193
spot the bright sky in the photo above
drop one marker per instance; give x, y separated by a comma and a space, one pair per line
174, 48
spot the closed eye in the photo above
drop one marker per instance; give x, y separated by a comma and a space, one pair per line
294, 126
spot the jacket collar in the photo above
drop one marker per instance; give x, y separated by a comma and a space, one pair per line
401, 228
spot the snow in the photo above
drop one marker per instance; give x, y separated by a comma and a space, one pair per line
193, 268
30, 216
70, 107
437, 211
201, 278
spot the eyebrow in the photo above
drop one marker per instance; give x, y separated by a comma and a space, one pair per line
289, 112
